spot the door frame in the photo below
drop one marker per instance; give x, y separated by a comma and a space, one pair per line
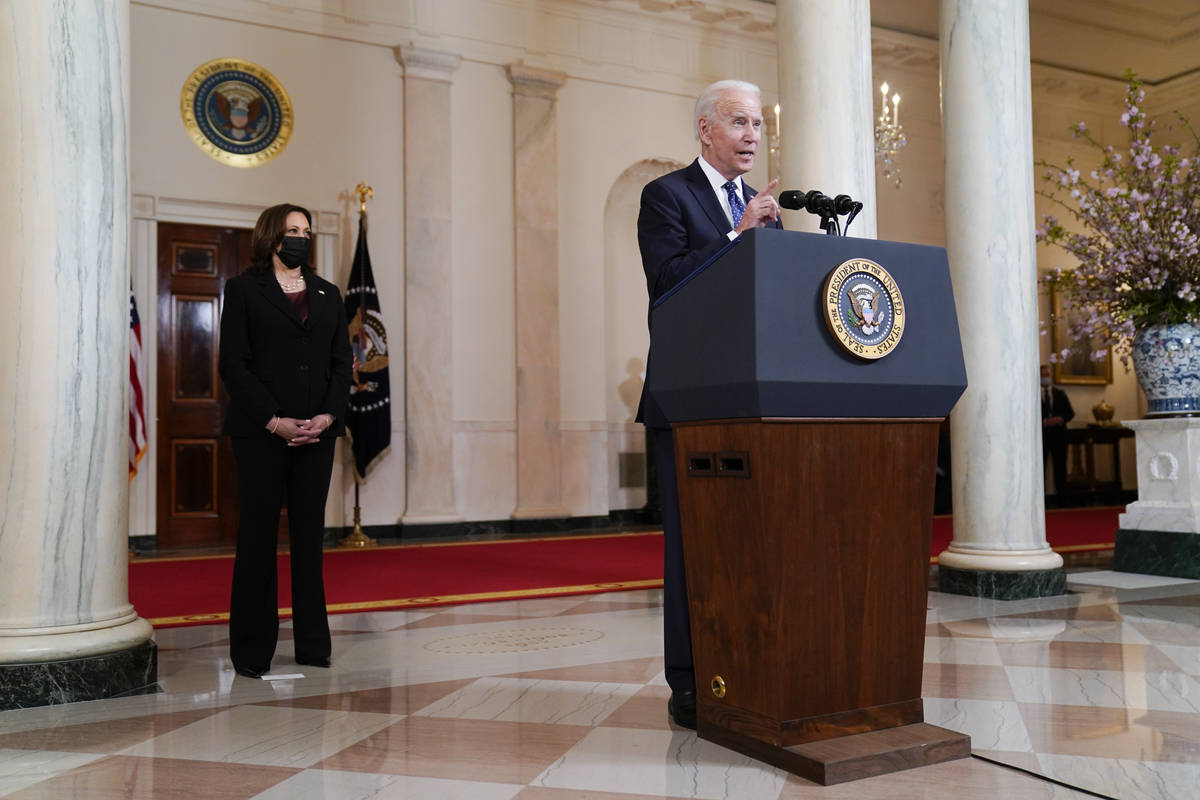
148, 211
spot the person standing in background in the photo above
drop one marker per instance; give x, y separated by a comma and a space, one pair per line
1056, 413
285, 361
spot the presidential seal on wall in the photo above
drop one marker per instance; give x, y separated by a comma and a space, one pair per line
236, 112
864, 308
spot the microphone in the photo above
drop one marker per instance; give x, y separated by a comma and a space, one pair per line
813, 201
843, 204
825, 207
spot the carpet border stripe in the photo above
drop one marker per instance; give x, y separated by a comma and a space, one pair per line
136, 559
401, 603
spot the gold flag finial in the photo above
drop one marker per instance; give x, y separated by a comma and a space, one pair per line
363, 192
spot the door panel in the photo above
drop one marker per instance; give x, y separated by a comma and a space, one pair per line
194, 473
197, 489
195, 320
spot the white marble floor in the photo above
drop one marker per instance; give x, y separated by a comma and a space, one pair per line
565, 698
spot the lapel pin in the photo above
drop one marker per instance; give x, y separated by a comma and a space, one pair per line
320, 291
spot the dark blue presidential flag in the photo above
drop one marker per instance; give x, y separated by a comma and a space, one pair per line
369, 414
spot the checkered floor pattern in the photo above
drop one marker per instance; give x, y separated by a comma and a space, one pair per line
564, 698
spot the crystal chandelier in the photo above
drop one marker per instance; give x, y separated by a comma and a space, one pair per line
889, 136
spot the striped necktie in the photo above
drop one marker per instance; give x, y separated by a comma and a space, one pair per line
735, 203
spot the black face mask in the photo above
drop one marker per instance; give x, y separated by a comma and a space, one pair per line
294, 250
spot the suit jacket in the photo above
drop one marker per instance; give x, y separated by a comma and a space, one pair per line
1060, 406
273, 364
680, 226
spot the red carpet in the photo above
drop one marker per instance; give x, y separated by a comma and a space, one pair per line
1068, 530
195, 590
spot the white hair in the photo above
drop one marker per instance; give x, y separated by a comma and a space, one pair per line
706, 103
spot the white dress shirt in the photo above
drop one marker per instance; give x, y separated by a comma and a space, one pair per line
718, 182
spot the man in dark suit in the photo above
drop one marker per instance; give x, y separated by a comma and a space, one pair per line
1056, 413
686, 217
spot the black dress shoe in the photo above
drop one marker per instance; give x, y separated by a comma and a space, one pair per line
323, 662
250, 673
682, 708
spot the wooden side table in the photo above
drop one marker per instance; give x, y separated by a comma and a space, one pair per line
1084, 441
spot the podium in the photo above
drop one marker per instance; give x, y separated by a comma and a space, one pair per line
806, 480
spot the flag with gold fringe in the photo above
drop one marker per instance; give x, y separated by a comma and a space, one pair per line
369, 413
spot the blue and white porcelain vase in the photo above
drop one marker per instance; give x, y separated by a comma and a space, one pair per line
1167, 361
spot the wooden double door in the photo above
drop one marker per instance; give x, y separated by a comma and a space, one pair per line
197, 479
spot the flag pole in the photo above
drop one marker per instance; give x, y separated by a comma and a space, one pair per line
357, 538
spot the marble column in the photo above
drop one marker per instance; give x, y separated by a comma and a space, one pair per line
535, 184
67, 629
827, 124
428, 237
1160, 533
999, 547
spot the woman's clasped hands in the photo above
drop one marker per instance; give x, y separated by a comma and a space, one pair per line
297, 432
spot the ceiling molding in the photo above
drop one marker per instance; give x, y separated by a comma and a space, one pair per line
903, 50
1163, 22
678, 46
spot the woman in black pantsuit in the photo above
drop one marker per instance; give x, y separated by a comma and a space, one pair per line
285, 362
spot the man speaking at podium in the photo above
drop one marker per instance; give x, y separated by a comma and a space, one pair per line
686, 217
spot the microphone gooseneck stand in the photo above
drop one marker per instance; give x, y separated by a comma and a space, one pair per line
825, 207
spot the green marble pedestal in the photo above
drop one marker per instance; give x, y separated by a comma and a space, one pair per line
1015, 585
125, 672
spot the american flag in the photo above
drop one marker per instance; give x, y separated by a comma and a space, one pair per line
137, 401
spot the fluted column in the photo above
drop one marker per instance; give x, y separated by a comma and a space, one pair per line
535, 181
428, 236
826, 119
67, 629
999, 547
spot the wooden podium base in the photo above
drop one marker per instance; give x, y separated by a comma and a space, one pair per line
849, 758
807, 549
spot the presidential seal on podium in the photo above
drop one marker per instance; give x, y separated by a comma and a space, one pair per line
236, 112
864, 308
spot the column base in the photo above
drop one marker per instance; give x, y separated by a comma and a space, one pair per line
1173, 554
1007, 585
540, 512
125, 672
430, 518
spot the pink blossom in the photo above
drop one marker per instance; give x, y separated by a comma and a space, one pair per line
1133, 230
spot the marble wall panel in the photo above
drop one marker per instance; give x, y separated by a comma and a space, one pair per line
484, 287
484, 482
535, 153
428, 383
426, 170
538, 443
535, 178
585, 475
537, 297
381, 497
428, 246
